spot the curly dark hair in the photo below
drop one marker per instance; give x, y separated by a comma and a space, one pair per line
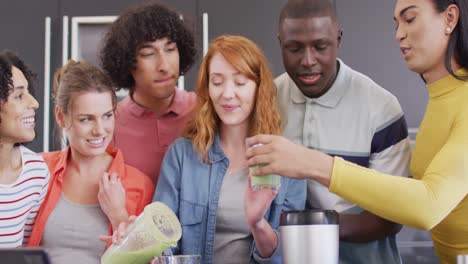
136, 26
7, 60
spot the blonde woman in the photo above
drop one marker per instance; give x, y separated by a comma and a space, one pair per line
92, 190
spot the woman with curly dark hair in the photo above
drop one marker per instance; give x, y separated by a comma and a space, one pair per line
145, 50
24, 176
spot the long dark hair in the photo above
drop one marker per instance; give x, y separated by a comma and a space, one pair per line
458, 44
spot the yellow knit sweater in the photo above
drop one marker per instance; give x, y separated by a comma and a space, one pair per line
436, 197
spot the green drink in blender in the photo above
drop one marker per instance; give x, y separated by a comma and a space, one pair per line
154, 231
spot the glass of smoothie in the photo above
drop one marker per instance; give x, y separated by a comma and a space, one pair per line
264, 182
154, 231
178, 259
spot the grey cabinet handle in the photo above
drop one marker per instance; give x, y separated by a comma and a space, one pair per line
46, 105
181, 80
65, 42
205, 33
65, 58
462, 259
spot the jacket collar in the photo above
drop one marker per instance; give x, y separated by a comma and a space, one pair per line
117, 165
216, 153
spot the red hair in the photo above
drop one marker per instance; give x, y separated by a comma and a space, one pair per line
249, 60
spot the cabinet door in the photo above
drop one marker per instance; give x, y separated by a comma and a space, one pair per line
369, 46
92, 8
23, 31
115, 7
256, 20
83, 25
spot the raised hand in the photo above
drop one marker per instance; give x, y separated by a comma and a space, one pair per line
111, 198
256, 204
119, 233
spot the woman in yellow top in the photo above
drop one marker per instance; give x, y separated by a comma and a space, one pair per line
433, 37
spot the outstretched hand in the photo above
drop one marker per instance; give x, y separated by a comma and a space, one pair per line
119, 233
280, 156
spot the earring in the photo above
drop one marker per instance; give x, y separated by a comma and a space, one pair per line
447, 30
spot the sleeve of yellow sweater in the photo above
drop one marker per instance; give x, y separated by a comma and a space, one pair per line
419, 203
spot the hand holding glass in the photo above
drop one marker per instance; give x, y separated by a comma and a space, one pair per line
264, 182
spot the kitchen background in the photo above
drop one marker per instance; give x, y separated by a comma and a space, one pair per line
48, 32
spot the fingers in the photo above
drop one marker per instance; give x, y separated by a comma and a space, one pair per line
258, 139
101, 184
115, 182
115, 238
106, 239
263, 170
120, 233
121, 230
105, 180
113, 178
263, 159
259, 150
132, 219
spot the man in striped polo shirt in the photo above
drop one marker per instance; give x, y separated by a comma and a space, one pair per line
328, 106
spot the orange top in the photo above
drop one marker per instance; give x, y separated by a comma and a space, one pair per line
139, 188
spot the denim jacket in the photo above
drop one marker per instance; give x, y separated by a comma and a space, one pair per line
191, 188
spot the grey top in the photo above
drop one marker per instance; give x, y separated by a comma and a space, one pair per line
233, 239
71, 233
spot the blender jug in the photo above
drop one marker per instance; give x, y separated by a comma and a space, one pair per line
155, 230
309, 236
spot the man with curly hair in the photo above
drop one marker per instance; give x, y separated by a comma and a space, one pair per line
144, 52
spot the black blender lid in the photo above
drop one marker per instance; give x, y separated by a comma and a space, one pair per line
309, 217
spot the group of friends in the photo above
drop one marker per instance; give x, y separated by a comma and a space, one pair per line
335, 136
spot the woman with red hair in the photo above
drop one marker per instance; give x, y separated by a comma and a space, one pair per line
205, 178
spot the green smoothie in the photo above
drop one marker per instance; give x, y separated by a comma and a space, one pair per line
143, 256
266, 182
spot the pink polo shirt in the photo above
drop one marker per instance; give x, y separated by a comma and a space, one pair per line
144, 137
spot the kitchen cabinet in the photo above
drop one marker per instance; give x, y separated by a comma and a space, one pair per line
368, 45
76, 28
256, 20
23, 30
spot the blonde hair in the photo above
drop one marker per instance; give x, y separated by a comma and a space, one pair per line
77, 77
249, 60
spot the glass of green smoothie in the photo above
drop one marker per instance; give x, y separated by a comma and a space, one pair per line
154, 231
264, 182
178, 259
